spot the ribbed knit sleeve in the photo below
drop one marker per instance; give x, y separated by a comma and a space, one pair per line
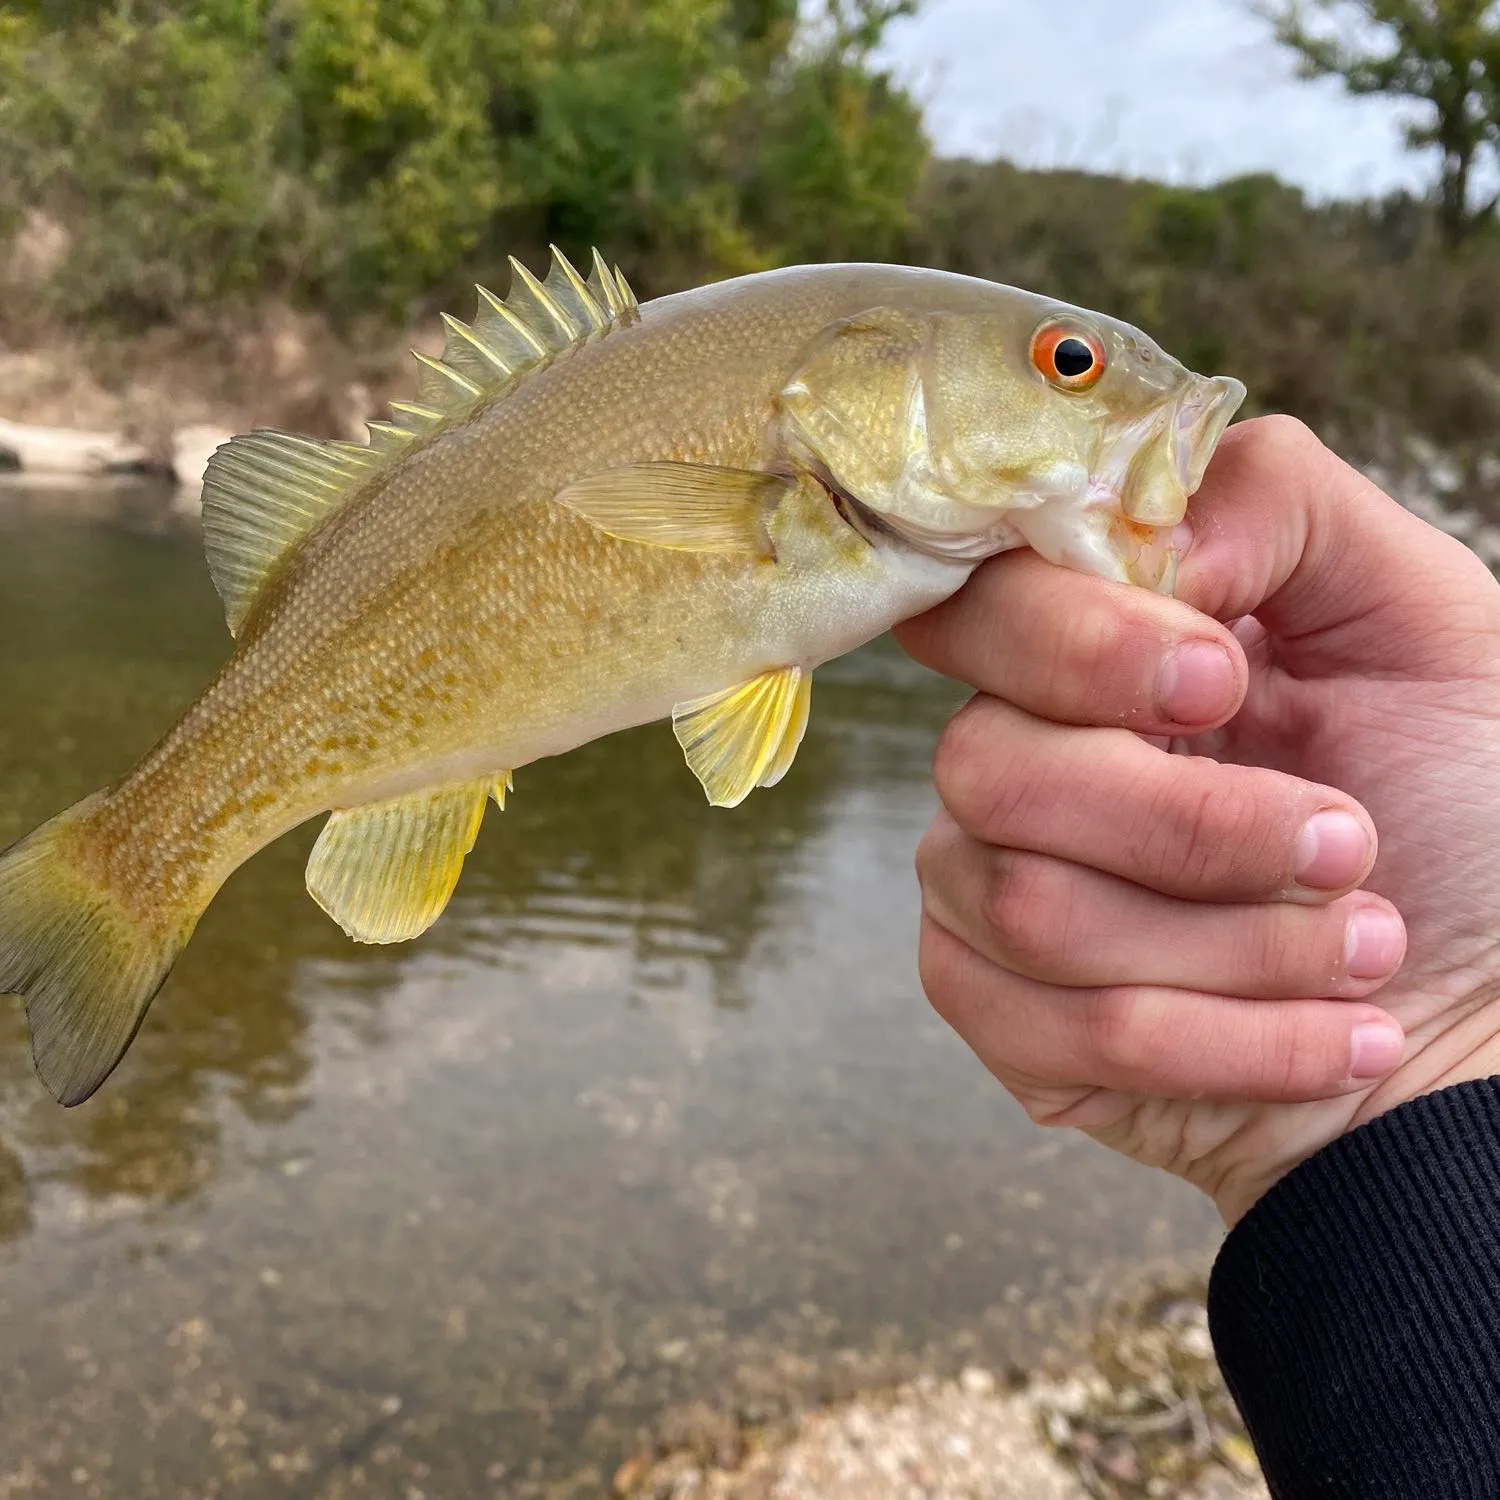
1356, 1309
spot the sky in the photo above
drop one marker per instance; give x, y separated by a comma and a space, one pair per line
1188, 91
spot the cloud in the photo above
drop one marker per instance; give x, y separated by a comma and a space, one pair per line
1185, 90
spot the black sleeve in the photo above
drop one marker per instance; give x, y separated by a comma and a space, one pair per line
1356, 1309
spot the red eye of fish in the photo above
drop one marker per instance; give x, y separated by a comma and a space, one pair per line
1071, 358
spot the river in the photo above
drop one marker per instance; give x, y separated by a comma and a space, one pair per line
656, 1115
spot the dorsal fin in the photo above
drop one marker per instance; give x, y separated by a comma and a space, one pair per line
507, 340
264, 493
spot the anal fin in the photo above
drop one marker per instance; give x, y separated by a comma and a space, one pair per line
745, 736
385, 872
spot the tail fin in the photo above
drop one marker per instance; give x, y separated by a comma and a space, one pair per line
87, 965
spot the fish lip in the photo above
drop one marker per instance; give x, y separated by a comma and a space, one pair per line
1205, 409
1193, 425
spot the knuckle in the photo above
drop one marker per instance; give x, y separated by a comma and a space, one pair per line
931, 853
1093, 649
1292, 1069
1023, 907
971, 770
1114, 1031
958, 760
1288, 950
1044, 1108
1259, 954
1288, 438
938, 968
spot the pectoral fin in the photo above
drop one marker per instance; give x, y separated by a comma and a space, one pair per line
693, 507
385, 872
745, 736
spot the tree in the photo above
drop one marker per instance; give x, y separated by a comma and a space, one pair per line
1445, 53
373, 155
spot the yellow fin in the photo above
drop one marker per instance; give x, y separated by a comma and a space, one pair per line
791, 736
745, 736
87, 962
385, 872
694, 507
264, 493
500, 786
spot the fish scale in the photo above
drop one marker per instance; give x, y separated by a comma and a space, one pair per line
593, 514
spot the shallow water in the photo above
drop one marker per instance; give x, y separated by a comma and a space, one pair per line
656, 1114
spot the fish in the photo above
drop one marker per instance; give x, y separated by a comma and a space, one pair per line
594, 513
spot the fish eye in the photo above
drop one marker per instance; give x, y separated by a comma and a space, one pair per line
1070, 358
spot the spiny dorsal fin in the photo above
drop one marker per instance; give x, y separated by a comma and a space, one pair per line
263, 494
506, 340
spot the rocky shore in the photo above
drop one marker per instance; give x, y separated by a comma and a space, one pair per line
1145, 1416
160, 403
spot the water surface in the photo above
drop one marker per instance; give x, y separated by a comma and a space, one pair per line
656, 1114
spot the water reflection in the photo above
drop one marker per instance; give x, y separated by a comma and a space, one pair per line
655, 1113
113, 628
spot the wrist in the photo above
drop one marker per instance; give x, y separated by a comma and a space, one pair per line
1449, 1042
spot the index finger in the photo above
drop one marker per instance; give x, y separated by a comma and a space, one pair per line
1078, 650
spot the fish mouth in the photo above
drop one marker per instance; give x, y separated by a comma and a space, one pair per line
878, 529
1205, 410
1122, 527
1166, 465
1154, 499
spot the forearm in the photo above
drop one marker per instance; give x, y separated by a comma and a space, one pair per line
1356, 1309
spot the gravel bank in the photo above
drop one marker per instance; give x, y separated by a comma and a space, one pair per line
1147, 1417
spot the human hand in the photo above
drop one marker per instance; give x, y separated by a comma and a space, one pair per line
1152, 946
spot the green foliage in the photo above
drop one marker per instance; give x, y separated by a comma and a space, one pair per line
841, 155
622, 116
364, 155
392, 138
158, 147
841, 149
374, 156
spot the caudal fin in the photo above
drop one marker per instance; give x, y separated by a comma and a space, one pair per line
88, 966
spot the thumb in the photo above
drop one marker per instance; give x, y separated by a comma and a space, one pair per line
1334, 569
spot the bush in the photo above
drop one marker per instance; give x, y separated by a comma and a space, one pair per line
157, 144
366, 155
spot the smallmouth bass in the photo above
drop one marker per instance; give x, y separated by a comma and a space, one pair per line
594, 514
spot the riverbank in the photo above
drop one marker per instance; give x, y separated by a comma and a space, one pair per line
154, 402
1144, 1415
